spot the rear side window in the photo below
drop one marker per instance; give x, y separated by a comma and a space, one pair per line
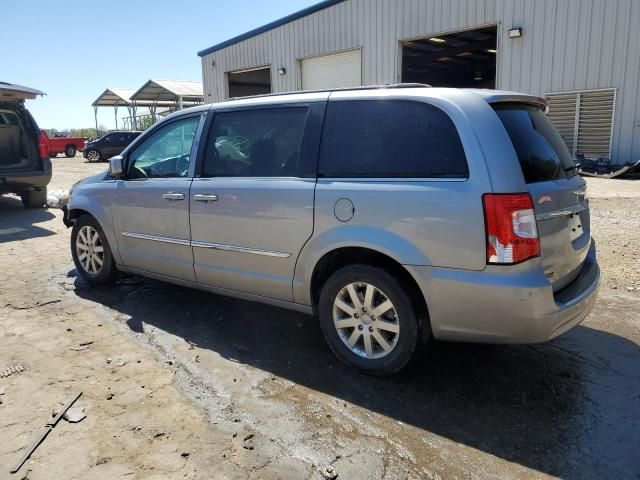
8, 118
255, 143
390, 138
542, 154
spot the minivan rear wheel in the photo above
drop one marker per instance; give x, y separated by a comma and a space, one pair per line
91, 252
368, 319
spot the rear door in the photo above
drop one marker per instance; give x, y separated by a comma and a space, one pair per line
11, 92
252, 205
558, 193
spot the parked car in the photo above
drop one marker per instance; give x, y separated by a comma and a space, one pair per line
394, 214
67, 145
109, 145
25, 166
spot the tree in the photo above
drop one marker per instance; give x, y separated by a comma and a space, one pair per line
144, 122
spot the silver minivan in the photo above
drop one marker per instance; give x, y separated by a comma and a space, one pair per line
394, 214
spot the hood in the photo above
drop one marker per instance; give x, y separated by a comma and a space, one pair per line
100, 177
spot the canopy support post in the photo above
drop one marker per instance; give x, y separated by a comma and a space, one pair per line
95, 114
135, 119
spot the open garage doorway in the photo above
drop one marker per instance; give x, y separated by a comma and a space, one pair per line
465, 59
256, 81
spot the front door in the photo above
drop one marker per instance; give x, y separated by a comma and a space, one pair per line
252, 205
151, 213
110, 145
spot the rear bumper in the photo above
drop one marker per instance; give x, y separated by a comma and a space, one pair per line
24, 181
496, 307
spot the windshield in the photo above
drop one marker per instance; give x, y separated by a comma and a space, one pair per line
542, 153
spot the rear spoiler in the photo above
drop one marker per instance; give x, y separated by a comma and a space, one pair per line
497, 96
539, 102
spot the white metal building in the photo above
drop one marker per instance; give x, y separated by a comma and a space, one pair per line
583, 55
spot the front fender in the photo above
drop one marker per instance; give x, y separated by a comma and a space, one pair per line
342, 236
97, 202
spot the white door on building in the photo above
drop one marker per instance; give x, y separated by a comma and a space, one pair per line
338, 70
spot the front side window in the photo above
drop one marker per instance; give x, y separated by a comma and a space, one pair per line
255, 143
389, 138
166, 152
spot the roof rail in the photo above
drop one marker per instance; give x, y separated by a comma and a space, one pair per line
345, 89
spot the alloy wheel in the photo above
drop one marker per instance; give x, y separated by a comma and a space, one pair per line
90, 249
366, 320
93, 156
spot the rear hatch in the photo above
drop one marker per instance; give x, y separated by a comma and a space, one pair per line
19, 151
558, 193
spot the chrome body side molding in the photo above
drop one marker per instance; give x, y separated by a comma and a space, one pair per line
144, 236
235, 248
215, 246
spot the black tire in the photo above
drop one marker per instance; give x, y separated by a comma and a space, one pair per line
70, 151
107, 273
34, 198
53, 155
94, 155
409, 337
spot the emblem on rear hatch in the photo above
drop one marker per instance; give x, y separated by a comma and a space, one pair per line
544, 199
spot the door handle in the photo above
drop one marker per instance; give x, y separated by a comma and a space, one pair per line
205, 198
173, 196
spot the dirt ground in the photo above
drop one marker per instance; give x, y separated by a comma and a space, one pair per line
184, 384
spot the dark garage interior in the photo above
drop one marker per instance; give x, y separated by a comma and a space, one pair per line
250, 82
463, 59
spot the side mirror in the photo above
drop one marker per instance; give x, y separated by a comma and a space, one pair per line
116, 167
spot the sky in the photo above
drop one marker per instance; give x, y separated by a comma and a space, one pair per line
74, 50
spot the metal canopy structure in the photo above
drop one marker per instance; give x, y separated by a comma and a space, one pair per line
115, 97
168, 94
176, 94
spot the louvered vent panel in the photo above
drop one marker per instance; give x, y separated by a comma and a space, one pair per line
594, 125
562, 112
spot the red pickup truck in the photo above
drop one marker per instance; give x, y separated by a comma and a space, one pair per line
67, 145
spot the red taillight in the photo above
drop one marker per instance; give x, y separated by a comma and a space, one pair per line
512, 236
43, 146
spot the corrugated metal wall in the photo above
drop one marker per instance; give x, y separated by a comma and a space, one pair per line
566, 45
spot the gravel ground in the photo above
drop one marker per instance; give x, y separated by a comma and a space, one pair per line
183, 384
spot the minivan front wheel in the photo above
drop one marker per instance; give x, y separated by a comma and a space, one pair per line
91, 253
369, 320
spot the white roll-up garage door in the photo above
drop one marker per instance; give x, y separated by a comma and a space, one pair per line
338, 70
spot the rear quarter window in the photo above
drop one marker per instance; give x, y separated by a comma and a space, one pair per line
389, 138
542, 154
